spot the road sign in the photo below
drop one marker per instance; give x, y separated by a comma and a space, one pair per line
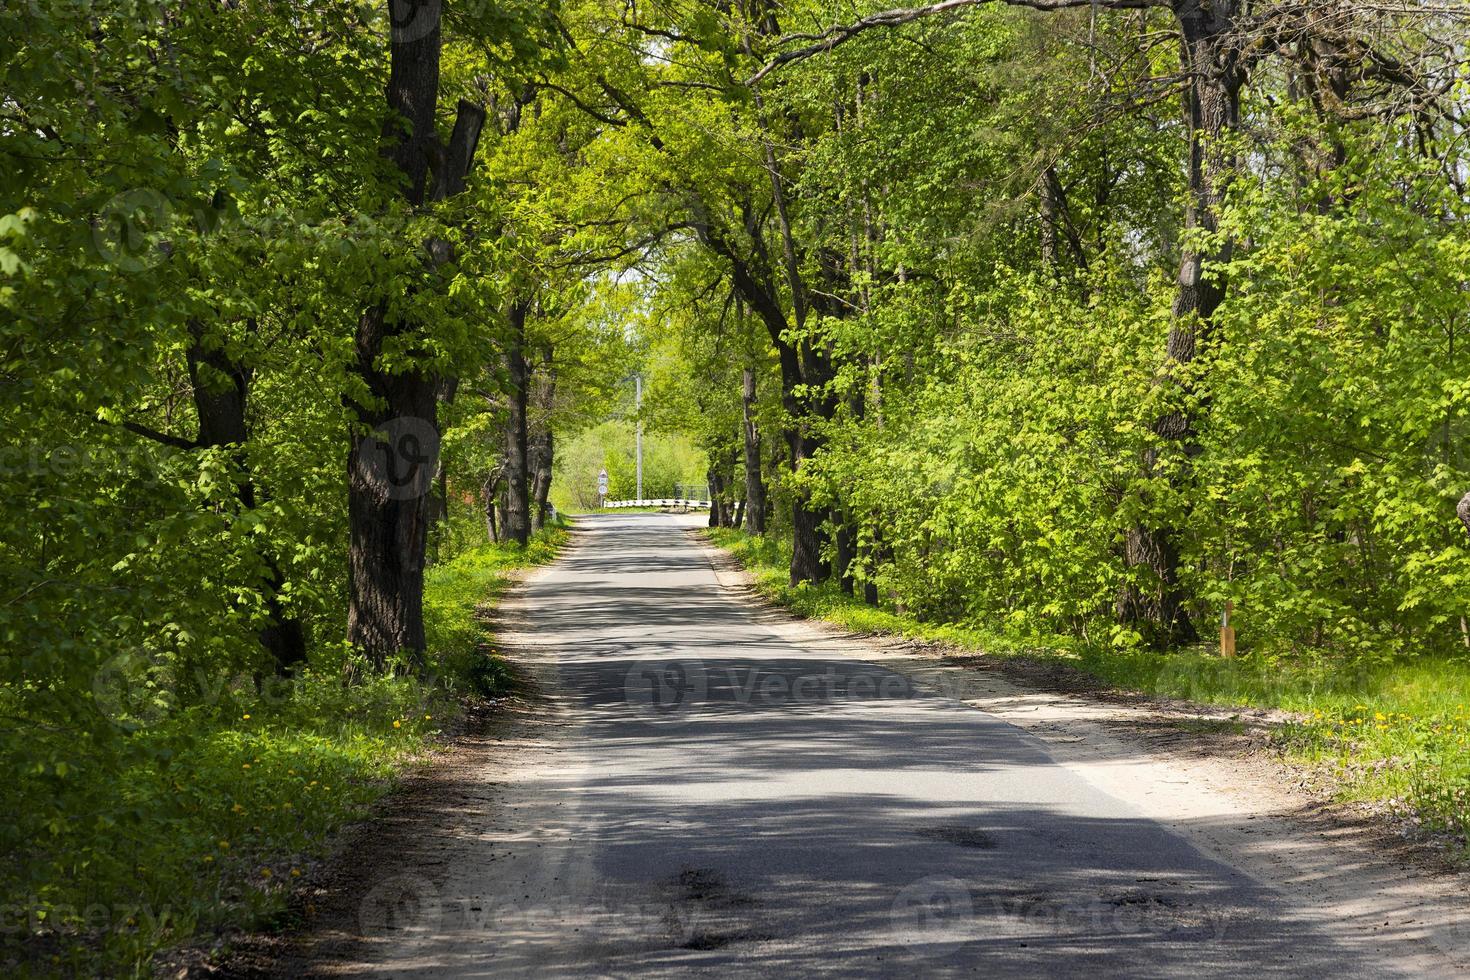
602, 484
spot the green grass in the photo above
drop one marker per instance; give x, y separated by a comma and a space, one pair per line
201, 821
1392, 733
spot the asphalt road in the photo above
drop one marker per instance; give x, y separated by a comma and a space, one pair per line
719, 801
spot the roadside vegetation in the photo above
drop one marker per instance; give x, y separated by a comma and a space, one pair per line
214, 794
1396, 734
1085, 321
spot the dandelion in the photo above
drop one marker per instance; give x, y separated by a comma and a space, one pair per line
265, 872
295, 872
245, 766
244, 717
428, 718
224, 845
312, 783
397, 724
237, 808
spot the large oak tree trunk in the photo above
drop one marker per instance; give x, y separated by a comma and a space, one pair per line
541, 441
541, 456
846, 541
755, 485
394, 451
1212, 62
391, 467
517, 462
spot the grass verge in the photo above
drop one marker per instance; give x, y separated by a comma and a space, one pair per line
197, 822
1393, 734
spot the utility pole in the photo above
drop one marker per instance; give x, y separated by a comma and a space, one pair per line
638, 410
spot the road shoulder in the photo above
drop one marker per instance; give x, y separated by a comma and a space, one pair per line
1208, 773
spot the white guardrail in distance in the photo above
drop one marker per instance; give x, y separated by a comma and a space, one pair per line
660, 502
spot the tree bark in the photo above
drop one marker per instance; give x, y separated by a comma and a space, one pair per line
221, 390
846, 551
394, 454
541, 456
541, 441
716, 496
490, 495
517, 468
755, 485
1213, 112
390, 470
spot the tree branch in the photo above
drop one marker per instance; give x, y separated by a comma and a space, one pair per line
825, 41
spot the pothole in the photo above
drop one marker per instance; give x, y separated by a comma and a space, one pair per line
960, 836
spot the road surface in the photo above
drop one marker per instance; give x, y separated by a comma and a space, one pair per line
716, 800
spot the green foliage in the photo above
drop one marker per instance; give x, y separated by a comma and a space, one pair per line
199, 817
670, 462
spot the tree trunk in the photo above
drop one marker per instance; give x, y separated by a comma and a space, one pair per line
221, 389
728, 470
1157, 605
845, 552
755, 485
517, 469
541, 441
490, 492
390, 470
716, 496
541, 456
392, 464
